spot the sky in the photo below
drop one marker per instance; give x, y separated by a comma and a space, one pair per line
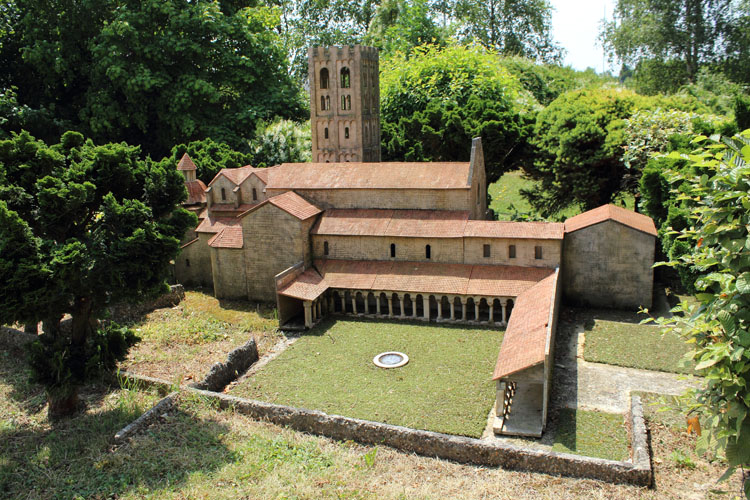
575, 26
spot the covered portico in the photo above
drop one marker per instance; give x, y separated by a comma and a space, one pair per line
451, 293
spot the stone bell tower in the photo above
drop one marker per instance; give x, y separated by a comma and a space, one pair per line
344, 104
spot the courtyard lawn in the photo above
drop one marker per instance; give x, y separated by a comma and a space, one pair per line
446, 386
617, 338
180, 344
591, 433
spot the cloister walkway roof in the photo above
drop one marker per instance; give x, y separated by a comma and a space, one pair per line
414, 277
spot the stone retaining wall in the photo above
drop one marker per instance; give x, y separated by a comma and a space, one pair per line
221, 374
147, 418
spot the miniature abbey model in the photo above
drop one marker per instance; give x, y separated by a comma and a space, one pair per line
348, 234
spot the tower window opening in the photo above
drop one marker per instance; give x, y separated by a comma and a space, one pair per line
345, 78
322, 103
348, 102
328, 103
427, 252
324, 78
325, 132
393, 249
346, 132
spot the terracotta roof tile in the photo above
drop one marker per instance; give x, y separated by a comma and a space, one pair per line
430, 277
307, 286
294, 204
446, 175
505, 229
236, 175
196, 192
229, 237
262, 174
525, 340
186, 163
624, 216
189, 243
215, 224
379, 222
229, 210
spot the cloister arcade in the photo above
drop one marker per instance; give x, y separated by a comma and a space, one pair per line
409, 305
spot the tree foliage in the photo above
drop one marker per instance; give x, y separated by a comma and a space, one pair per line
434, 103
82, 225
210, 156
578, 140
512, 27
719, 325
402, 25
281, 141
689, 31
155, 72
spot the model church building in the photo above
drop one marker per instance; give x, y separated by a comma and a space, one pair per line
348, 234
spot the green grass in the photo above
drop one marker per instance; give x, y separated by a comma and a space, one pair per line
446, 386
617, 338
507, 200
591, 433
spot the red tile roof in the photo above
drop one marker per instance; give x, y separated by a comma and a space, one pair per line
229, 237
377, 222
262, 174
624, 216
307, 286
196, 192
215, 224
186, 163
505, 229
229, 210
189, 243
446, 175
430, 277
235, 175
295, 205
525, 342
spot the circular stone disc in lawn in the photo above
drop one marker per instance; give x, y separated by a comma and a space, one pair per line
391, 359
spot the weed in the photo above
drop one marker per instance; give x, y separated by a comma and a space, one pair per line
369, 458
682, 459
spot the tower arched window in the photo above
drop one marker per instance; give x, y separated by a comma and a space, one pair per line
328, 102
345, 78
346, 132
324, 78
322, 103
348, 102
325, 132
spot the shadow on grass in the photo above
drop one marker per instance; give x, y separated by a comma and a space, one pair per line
588, 317
76, 458
326, 323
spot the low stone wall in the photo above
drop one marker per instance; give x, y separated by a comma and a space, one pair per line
159, 409
456, 448
125, 311
221, 374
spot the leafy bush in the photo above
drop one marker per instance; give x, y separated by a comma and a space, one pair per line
718, 325
281, 141
434, 103
210, 156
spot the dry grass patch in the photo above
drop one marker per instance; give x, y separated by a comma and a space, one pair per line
180, 344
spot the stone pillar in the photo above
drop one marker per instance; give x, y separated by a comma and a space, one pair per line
503, 303
492, 311
314, 309
401, 301
463, 308
476, 310
354, 303
390, 305
343, 303
320, 308
414, 307
453, 309
367, 304
308, 313
377, 304
440, 308
426, 307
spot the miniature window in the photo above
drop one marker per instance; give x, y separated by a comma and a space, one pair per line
427, 252
512, 252
348, 102
328, 103
324, 78
477, 194
326, 133
346, 132
393, 249
223, 194
345, 80
187, 262
537, 253
322, 103
486, 250
255, 194
325, 248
